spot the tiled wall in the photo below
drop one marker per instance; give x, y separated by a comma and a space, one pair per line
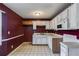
10, 22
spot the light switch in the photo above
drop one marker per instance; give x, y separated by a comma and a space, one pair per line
8, 32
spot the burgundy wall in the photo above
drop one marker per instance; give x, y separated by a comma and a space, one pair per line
10, 22
72, 32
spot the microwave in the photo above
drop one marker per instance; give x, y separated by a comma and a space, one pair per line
59, 26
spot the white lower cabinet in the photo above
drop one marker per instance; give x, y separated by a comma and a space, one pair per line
34, 40
39, 40
50, 42
69, 49
63, 50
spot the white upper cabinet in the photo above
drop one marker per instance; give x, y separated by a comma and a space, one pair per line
73, 11
47, 23
58, 17
52, 24
69, 18
64, 14
34, 25
41, 23
64, 19
55, 23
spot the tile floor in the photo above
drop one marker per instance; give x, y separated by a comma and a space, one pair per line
27, 49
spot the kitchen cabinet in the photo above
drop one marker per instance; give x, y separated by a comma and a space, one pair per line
64, 14
63, 20
41, 23
34, 25
63, 50
73, 13
51, 25
47, 25
55, 23
59, 18
50, 42
68, 18
44, 40
54, 43
39, 39
69, 49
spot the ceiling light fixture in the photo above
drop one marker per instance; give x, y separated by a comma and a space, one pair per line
37, 13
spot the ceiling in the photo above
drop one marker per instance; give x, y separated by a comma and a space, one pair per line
46, 10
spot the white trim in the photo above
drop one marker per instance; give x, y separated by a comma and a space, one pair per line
0, 27
12, 38
2, 11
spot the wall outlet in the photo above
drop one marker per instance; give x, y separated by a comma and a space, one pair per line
11, 46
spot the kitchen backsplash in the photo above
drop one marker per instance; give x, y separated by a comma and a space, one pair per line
73, 32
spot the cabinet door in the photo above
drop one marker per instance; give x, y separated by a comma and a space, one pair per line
38, 40
50, 42
34, 25
63, 50
72, 17
52, 24
55, 23
59, 18
33, 40
43, 40
65, 19
64, 24
47, 25
64, 14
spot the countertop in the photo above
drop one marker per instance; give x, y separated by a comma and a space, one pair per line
70, 44
53, 35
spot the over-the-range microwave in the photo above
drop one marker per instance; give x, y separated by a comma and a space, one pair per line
59, 26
